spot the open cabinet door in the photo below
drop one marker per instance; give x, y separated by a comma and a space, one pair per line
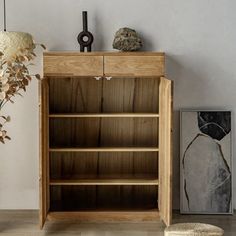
165, 150
44, 146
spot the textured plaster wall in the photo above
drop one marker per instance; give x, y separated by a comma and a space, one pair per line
198, 36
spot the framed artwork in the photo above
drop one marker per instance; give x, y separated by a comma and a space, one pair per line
206, 162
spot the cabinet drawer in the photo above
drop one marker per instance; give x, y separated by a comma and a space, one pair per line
134, 65
73, 65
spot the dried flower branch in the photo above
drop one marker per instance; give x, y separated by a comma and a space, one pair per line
3, 133
14, 78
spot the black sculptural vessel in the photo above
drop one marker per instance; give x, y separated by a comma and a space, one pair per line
85, 38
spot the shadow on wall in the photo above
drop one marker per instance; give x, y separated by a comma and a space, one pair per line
192, 76
176, 160
98, 44
198, 80
174, 71
148, 44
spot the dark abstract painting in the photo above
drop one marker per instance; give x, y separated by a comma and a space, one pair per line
206, 162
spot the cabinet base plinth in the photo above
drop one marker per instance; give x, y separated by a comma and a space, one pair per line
149, 215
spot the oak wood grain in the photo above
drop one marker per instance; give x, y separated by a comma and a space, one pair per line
106, 115
165, 151
119, 95
104, 132
44, 201
149, 215
134, 65
103, 53
73, 65
99, 181
106, 149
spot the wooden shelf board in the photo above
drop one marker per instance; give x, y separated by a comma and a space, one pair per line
147, 215
146, 181
106, 149
95, 115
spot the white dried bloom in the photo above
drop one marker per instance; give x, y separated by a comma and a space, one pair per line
3, 80
2, 95
4, 88
3, 134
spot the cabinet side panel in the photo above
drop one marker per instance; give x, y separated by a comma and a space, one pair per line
44, 168
165, 150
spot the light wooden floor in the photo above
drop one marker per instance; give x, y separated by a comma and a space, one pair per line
25, 223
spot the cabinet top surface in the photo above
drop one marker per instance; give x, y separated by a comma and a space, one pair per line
102, 53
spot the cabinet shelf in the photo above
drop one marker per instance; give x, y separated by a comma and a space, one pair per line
105, 115
146, 181
106, 149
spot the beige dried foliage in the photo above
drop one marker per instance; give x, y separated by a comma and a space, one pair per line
14, 78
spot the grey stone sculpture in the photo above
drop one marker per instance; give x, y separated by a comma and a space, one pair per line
127, 39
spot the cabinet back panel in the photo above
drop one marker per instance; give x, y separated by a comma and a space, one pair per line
103, 165
87, 95
131, 95
106, 132
75, 198
82, 95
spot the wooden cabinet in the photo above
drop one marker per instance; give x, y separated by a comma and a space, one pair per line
106, 146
